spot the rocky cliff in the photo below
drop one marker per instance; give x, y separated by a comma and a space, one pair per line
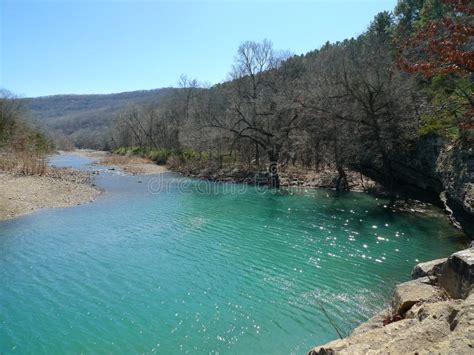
434, 170
432, 314
455, 167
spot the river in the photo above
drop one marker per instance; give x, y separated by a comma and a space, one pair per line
171, 265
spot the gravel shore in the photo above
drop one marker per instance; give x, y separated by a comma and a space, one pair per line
20, 195
63, 187
129, 164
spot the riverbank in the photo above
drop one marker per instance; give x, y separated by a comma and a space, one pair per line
133, 165
289, 177
63, 187
298, 178
58, 187
433, 313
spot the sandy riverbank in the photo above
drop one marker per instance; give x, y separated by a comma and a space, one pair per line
129, 164
63, 187
20, 195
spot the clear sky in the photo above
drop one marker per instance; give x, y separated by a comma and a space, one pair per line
104, 46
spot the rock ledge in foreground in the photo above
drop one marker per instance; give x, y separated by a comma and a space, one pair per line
432, 314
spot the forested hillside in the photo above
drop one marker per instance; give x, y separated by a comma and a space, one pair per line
392, 103
83, 120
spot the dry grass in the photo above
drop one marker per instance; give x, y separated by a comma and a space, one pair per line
120, 160
132, 164
23, 163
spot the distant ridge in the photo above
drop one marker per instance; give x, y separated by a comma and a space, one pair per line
79, 119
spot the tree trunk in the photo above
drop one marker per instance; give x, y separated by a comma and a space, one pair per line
274, 176
386, 165
273, 168
388, 177
317, 158
257, 155
341, 181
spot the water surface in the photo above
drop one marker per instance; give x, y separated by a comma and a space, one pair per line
199, 268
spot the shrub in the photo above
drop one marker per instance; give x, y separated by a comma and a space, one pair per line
162, 155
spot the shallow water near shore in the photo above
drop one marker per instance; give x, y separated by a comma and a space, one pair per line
171, 265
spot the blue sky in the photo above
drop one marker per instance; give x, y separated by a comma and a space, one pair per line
85, 46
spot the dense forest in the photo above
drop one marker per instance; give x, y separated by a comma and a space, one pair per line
365, 103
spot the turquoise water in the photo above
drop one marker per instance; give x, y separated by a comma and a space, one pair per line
200, 269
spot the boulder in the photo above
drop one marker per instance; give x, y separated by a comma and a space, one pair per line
445, 327
430, 268
375, 322
457, 274
430, 322
409, 293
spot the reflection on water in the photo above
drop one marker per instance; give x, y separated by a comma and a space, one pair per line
173, 272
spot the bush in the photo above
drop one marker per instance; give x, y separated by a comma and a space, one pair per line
159, 156
162, 155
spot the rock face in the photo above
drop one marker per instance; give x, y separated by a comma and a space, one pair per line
445, 327
433, 166
407, 294
424, 318
455, 167
457, 274
430, 269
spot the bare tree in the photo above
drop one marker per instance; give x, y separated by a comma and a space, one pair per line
11, 110
257, 109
